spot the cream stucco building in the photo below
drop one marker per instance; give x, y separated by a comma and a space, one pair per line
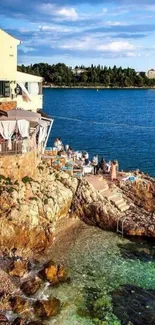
17, 89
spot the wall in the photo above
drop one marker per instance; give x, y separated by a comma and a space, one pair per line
18, 166
7, 105
34, 105
8, 55
150, 74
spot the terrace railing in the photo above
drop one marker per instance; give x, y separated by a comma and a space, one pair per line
17, 147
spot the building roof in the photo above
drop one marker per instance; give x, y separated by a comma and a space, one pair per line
10, 36
26, 77
19, 114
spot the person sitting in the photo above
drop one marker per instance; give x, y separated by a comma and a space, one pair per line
95, 164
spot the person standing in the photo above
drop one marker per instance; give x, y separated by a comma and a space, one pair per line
113, 171
95, 164
86, 156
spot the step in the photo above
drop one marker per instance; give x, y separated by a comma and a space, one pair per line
109, 194
118, 200
106, 188
124, 208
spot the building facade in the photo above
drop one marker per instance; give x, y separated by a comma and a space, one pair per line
151, 74
17, 89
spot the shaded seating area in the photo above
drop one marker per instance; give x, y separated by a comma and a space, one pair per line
22, 131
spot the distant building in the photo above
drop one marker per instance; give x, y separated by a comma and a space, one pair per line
151, 74
78, 72
17, 89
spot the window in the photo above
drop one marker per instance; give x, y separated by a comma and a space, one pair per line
4, 89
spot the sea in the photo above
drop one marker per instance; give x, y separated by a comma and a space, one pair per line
112, 279
113, 123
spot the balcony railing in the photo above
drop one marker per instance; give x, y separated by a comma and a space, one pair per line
17, 147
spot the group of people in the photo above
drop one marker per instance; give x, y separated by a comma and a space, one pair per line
106, 167
109, 168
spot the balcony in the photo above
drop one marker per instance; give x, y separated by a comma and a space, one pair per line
17, 147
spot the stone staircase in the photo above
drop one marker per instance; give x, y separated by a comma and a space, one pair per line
111, 193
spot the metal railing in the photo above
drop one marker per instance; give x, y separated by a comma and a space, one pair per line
17, 147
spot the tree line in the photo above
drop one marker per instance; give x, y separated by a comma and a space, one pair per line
62, 75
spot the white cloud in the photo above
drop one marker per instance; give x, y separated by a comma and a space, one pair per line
55, 28
89, 43
27, 49
115, 23
149, 7
69, 13
116, 46
63, 12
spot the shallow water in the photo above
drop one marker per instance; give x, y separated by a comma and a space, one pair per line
97, 269
116, 124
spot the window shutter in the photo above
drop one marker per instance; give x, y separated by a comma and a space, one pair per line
7, 89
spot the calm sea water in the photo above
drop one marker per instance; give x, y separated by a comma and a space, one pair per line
116, 124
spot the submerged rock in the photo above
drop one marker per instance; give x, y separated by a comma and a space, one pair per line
135, 305
47, 308
19, 321
19, 268
30, 286
54, 273
20, 305
3, 320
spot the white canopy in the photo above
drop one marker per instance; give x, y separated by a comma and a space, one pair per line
26, 77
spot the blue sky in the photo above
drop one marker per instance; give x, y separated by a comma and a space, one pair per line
107, 32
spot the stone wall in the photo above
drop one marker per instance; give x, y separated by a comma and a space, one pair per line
19, 166
7, 106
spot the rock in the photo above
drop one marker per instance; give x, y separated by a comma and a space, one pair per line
47, 308
30, 286
27, 215
19, 268
19, 305
19, 321
54, 273
35, 322
3, 320
130, 301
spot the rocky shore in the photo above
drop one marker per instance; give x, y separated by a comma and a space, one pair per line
29, 213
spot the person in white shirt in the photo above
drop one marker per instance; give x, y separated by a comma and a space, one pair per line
95, 164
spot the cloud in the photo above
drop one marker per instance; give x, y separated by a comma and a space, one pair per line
63, 12
93, 44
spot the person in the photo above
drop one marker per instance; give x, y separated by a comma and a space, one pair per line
95, 164
86, 156
113, 171
58, 144
108, 167
102, 164
117, 166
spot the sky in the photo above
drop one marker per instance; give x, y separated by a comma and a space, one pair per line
82, 32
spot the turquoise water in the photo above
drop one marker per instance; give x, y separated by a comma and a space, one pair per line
102, 266
116, 124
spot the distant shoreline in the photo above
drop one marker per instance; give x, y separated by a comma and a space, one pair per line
92, 87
